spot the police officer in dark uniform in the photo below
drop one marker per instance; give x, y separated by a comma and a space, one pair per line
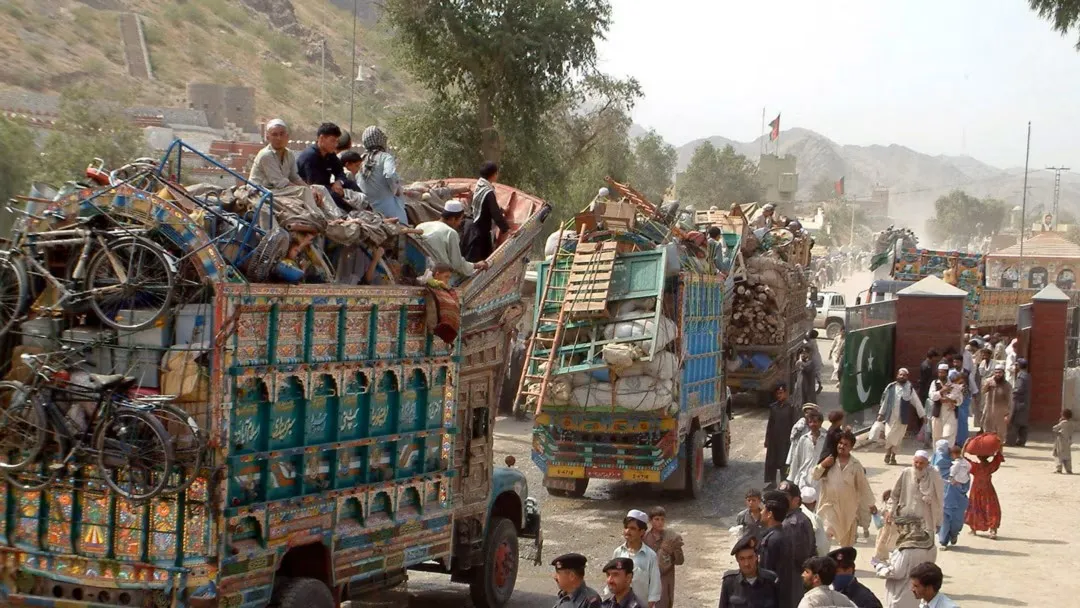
846, 583
620, 575
570, 577
750, 585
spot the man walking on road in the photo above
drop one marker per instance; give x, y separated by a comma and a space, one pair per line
899, 402
774, 550
914, 547
646, 567
798, 528
782, 417
997, 403
1018, 420
807, 452
751, 586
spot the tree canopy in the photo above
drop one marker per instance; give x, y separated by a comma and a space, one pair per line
960, 217
1063, 15
18, 156
718, 177
654, 165
88, 128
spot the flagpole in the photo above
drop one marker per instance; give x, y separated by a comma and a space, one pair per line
761, 152
1023, 205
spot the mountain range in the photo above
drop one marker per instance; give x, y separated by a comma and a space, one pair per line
914, 179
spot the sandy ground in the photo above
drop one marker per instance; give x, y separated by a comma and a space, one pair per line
1038, 506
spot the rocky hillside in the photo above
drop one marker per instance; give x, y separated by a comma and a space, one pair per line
272, 45
915, 180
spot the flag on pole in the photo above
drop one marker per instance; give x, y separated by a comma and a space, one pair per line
839, 187
775, 125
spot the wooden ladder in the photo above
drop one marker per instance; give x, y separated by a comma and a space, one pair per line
583, 294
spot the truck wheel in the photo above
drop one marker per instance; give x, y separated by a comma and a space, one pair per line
695, 464
493, 582
833, 329
302, 593
721, 445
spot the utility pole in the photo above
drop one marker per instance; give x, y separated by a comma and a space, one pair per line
1057, 190
352, 81
322, 84
1023, 205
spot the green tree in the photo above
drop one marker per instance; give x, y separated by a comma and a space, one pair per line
654, 165
844, 223
1063, 15
18, 156
507, 62
960, 217
718, 177
88, 128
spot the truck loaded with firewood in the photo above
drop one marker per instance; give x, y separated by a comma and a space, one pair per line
766, 316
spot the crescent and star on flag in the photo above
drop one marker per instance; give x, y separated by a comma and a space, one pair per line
864, 393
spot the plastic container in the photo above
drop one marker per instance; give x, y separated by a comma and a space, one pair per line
191, 323
986, 444
157, 336
100, 358
42, 333
143, 365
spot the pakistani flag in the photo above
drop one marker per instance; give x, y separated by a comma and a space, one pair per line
868, 367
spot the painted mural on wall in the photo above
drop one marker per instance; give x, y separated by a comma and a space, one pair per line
1034, 273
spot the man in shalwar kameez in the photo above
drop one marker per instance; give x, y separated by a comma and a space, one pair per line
918, 492
898, 402
845, 492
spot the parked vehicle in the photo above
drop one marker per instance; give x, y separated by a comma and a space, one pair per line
347, 443
830, 310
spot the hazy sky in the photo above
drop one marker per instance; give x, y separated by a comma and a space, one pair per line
939, 76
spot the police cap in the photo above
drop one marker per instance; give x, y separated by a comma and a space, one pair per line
570, 561
844, 556
748, 541
620, 563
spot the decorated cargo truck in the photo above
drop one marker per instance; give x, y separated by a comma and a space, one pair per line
345, 443
633, 389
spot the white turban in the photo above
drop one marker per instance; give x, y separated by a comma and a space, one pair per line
922, 454
809, 495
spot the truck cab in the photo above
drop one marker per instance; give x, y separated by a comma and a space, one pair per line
829, 314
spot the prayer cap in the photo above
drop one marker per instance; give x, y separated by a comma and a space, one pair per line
999, 366
638, 515
810, 407
943, 366
276, 122
570, 561
603, 192
768, 207
953, 375
844, 556
922, 454
903, 370
453, 206
748, 541
620, 563
809, 495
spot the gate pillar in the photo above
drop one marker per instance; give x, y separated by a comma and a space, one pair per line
1046, 354
929, 314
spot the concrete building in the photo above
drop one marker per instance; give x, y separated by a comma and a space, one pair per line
778, 178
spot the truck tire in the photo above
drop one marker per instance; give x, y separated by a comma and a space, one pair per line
721, 446
302, 593
695, 464
493, 581
580, 485
833, 329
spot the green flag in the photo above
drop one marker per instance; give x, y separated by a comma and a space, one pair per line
868, 367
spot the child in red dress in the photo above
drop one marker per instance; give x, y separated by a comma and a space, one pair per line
984, 510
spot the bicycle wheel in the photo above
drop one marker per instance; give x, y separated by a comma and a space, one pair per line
22, 426
134, 454
14, 292
132, 274
44, 471
188, 443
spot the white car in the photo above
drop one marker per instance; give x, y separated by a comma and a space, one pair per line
830, 313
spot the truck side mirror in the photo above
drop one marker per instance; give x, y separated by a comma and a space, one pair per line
510, 461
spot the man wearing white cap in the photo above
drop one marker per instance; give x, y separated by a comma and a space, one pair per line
996, 402
898, 399
274, 166
646, 583
441, 236
918, 492
809, 506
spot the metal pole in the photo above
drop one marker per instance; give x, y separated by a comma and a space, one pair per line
1023, 204
762, 151
352, 79
322, 84
1057, 192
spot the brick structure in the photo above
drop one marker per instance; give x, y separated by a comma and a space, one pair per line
929, 314
224, 104
1046, 354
